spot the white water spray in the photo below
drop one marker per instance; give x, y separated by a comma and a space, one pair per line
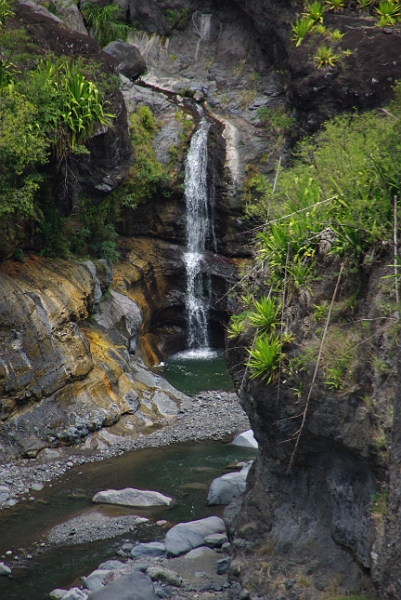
197, 229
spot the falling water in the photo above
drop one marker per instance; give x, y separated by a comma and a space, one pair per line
197, 229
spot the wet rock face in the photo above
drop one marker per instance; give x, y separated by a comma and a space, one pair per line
67, 357
152, 273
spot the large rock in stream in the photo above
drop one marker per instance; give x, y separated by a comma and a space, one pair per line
131, 497
224, 489
183, 537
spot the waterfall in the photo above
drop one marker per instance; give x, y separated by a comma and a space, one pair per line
198, 292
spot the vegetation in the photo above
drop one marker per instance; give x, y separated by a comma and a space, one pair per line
103, 22
147, 174
49, 109
338, 195
177, 18
325, 57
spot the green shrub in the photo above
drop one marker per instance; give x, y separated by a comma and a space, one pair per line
22, 151
5, 11
102, 21
301, 28
147, 175
325, 57
265, 315
389, 13
265, 358
69, 104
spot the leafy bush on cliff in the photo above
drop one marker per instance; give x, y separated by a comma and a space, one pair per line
103, 22
337, 198
22, 150
147, 174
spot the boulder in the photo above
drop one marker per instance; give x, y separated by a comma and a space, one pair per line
4, 570
131, 62
135, 586
202, 551
111, 565
75, 594
5, 493
165, 406
246, 439
216, 540
165, 575
152, 549
118, 313
131, 497
94, 581
223, 565
183, 537
68, 12
57, 594
224, 489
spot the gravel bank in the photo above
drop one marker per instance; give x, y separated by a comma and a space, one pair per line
210, 416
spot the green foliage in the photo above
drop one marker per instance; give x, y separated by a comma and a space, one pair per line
335, 374
321, 311
103, 21
265, 315
336, 34
388, 12
5, 11
315, 11
379, 503
338, 194
177, 18
69, 104
265, 358
335, 4
301, 28
147, 175
237, 325
325, 57
275, 119
22, 151
365, 4
19, 255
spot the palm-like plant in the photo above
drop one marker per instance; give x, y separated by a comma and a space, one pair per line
265, 315
301, 28
315, 11
265, 358
325, 57
389, 13
335, 4
365, 4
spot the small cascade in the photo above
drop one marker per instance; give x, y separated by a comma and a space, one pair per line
198, 292
201, 25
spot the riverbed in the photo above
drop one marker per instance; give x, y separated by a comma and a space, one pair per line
182, 471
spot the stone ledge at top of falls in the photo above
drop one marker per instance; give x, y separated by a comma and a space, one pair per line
132, 497
185, 536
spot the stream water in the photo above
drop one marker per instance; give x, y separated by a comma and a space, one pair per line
183, 471
194, 371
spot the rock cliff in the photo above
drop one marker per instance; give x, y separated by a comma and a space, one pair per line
322, 528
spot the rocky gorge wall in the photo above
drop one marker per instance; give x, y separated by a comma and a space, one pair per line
313, 531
